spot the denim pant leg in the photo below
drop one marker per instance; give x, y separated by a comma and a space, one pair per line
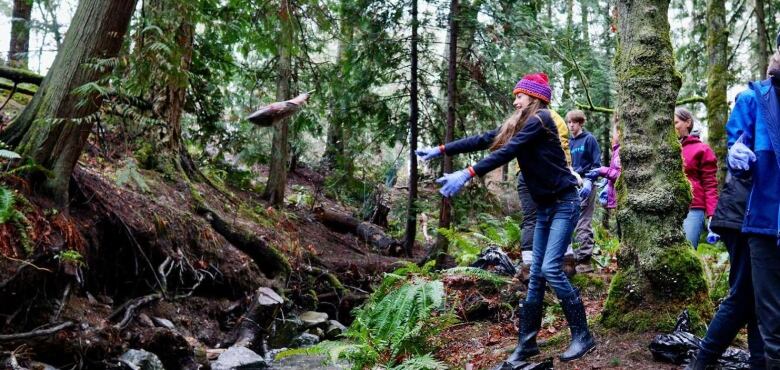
737, 309
584, 230
765, 261
528, 207
693, 224
552, 236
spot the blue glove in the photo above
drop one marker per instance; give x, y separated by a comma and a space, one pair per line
453, 182
593, 174
740, 156
712, 238
587, 187
604, 197
428, 153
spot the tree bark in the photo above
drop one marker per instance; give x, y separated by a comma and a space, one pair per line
445, 210
277, 174
763, 53
20, 33
659, 274
585, 21
411, 213
717, 78
54, 127
335, 141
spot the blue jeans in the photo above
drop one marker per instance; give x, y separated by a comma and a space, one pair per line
693, 225
765, 262
554, 225
738, 309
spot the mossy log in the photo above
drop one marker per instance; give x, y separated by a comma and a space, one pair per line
366, 231
659, 274
20, 75
270, 261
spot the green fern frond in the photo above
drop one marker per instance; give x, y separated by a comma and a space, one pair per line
7, 200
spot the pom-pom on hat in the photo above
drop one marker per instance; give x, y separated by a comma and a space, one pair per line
536, 85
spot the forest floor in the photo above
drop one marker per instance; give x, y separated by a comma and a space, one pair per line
154, 216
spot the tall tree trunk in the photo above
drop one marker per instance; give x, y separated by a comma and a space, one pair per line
569, 31
20, 33
584, 12
53, 128
763, 53
659, 274
445, 210
717, 77
277, 174
335, 141
411, 213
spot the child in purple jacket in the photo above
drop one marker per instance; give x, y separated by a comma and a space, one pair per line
612, 172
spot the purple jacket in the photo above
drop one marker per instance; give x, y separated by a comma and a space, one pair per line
612, 173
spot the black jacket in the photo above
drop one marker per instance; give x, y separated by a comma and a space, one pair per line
538, 150
730, 211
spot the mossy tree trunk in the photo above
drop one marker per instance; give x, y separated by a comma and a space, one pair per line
277, 174
53, 129
761, 40
445, 209
717, 77
20, 33
336, 144
658, 272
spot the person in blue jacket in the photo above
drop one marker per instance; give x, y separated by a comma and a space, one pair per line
530, 136
585, 157
753, 132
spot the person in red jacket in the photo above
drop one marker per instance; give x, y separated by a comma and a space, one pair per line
700, 165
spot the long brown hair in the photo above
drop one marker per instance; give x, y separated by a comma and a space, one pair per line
515, 122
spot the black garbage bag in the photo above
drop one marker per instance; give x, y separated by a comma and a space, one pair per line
495, 260
546, 364
680, 346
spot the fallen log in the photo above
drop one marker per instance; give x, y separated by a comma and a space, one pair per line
270, 261
19, 89
20, 75
256, 322
366, 231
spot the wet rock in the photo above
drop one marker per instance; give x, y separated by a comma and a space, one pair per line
318, 332
35, 365
313, 318
285, 330
163, 323
305, 339
335, 329
141, 360
239, 358
145, 320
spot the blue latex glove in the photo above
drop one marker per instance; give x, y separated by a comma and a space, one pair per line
427, 154
593, 174
587, 187
604, 197
740, 156
453, 182
712, 238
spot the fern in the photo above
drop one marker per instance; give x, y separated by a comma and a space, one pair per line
479, 274
7, 200
424, 362
333, 350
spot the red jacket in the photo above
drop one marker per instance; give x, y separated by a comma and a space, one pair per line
700, 166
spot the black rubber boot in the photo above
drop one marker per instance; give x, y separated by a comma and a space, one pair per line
700, 363
772, 363
530, 322
581, 340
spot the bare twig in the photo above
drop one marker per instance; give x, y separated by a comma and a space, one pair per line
36, 333
131, 306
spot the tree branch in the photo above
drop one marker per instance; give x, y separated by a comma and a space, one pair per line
592, 108
36, 333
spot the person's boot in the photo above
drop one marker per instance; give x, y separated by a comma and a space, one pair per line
772, 363
569, 265
699, 362
530, 322
581, 339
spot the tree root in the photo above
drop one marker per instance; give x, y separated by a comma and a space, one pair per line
36, 333
130, 307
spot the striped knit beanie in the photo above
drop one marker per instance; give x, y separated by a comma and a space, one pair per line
536, 85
